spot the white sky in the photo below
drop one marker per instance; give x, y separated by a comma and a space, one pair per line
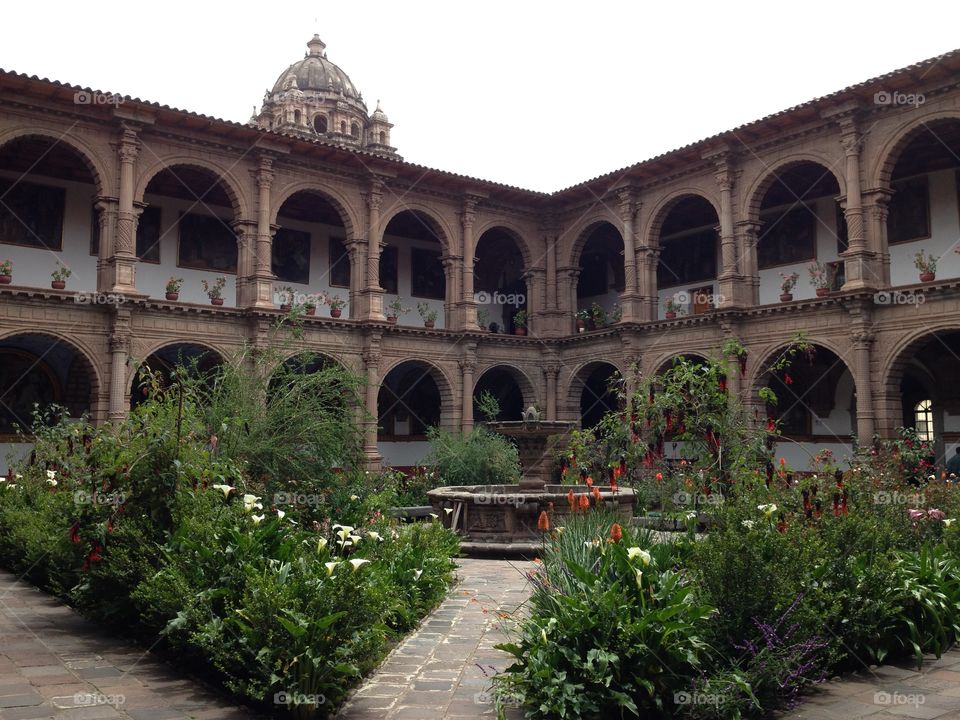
537, 94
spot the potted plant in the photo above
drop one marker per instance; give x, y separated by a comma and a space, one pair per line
673, 308
310, 305
483, 319
787, 283
583, 317
819, 277
173, 288
615, 314
927, 265
429, 316
336, 305
60, 276
286, 297
6, 272
520, 322
598, 316
215, 291
395, 309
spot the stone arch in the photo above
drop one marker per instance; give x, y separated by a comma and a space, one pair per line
764, 356
578, 383
153, 349
754, 194
448, 403
90, 156
582, 232
662, 208
207, 357
231, 185
515, 234
665, 361
348, 215
522, 380
891, 150
440, 228
898, 356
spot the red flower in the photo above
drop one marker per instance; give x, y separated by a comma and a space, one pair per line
787, 379
589, 481
543, 522
572, 500
616, 532
771, 425
584, 502
659, 476
596, 495
75, 533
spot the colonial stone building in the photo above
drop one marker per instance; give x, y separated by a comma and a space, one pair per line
673, 255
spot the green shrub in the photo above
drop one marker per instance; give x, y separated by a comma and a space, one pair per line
478, 457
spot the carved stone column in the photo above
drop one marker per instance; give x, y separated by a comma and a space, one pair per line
356, 250
247, 236
371, 362
106, 209
119, 354
630, 299
373, 293
649, 260
467, 365
468, 217
551, 371
453, 299
876, 209
731, 287
863, 338
122, 262
258, 290
747, 234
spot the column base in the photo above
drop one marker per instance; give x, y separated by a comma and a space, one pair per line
554, 323
256, 292
121, 273
632, 306
371, 305
734, 292
862, 271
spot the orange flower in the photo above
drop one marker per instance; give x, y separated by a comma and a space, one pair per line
596, 495
616, 532
589, 481
543, 522
572, 500
659, 476
584, 502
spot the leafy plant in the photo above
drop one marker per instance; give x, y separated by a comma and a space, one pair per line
174, 284
478, 457
925, 263
214, 291
61, 273
428, 314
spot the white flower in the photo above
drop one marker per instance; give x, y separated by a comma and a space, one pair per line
559, 529
354, 497
448, 510
947, 522
374, 535
250, 502
639, 576
748, 524
52, 475
636, 552
434, 516
257, 519
932, 477
417, 574
767, 510
321, 544
357, 562
280, 514
18, 476
51, 481
355, 539
691, 515
330, 566
225, 489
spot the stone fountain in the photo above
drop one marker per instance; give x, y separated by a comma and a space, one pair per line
503, 518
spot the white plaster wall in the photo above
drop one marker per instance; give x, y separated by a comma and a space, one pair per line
684, 295
826, 239
403, 453
411, 318
11, 453
799, 455
944, 234
32, 266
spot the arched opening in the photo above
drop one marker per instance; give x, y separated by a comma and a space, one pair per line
47, 213
162, 363
320, 124
595, 387
37, 371
309, 255
355, 131
501, 382
413, 397
689, 257
499, 285
800, 222
296, 117
601, 277
337, 398
924, 377
816, 404
693, 358
343, 127
188, 232
411, 266
383, 138
923, 212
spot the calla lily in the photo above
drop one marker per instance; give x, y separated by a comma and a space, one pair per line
225, 489
947, 522
417, 574
639, 577
250, 502
767, 510
330, 566
357, 562
434, 516
374, 535
635, 552
448, 510
280, 514
51, 482
748, 524
51, 475
321, 544
354, 497
257, 519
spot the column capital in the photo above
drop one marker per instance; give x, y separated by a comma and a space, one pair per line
371, 357
467, 364
627, 202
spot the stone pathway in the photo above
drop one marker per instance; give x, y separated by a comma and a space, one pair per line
54, 664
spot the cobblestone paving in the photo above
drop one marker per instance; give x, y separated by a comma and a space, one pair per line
54, 664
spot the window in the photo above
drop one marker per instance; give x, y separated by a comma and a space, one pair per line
206, 243
320, 124
692, 258
383, 138
355, 130
426, 274
148, 234
343, 127
32, 214
787, 237
909, 217
290, 256
339, 263
923, 420
389, 260
296, 117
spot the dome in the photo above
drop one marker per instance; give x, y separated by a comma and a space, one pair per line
317, 74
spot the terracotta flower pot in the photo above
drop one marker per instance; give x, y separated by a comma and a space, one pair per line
670, 314
337, 312
6, 279
283, 306
311, 311
520, 331
786, 297
821, 292
173, 296
392, 319
428, 323
927, 277
216, 301
581, 324
58, 284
